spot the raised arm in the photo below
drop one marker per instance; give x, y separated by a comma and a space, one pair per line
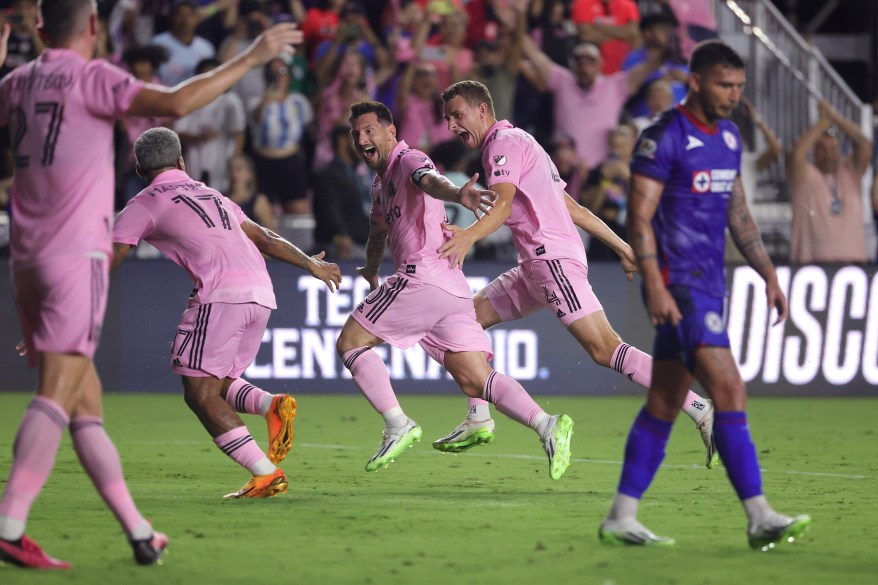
638, 74
595, 227
540, 60
862, 145
643, 202
155, 100
273, 245
745, 234
797, 161
773, 148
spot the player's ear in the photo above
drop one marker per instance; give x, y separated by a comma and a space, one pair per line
138, 170
694, 82
392, 130
93, 24
181, 165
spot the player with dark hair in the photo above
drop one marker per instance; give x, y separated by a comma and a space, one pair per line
427, 300
685, 190
60, 109
552, 272
226, 314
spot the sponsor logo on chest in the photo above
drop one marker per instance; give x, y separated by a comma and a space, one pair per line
713, 181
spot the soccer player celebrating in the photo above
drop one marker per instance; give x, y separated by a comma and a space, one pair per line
221, 330
60, 110
686, 188
552, 271
427, 300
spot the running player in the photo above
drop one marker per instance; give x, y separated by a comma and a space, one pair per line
60, 110
686, 189
220, 332
426, 300
552, 271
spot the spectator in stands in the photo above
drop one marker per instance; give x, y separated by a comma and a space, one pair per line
353, 33
321, 22
497, 62
341, 225
572, 169
696, 22
446, 51
244, 191
609, 24
351, 83
420, 108
211, 135
554, 32
826, 196
587, 103
253, 19
184, 46
657, 31
143, 63
276, 133
752, 162
659, 98
607, 190
24, 43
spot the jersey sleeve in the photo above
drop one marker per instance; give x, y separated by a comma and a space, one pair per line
109, 90
503, 159
416, 164
133, 224
654, 152
234, 208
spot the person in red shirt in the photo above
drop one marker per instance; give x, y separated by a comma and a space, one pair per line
321, 23
610, 24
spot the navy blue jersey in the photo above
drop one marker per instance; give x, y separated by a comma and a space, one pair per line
698, 167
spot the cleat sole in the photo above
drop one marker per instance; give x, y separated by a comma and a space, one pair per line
480, 437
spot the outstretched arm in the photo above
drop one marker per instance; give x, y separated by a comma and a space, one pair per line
745, 234
155, 100
273, 245
120, 250
479, 201
462, 240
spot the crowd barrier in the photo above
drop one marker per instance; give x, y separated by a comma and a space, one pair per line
828, 346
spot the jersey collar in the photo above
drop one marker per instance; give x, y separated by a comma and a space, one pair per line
698, 123
499, 125
172, 176
400, 147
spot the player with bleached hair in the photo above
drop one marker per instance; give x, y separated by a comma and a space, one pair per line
60, 110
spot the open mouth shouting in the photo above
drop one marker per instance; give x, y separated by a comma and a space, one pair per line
370, 153
465, 137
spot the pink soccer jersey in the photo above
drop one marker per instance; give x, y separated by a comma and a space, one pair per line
415, 221
541, 226
60, 109
200, 230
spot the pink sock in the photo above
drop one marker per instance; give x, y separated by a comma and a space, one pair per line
510, 398
630, 361
371, 376
245, 397
33, 456
100, 459
637, 365
239, 445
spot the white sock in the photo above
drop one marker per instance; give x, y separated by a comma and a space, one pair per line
696, 407
623, 507
10, 528
265, 404
479, 411
262, 467
757, 509
541, 424
395, 418
142, 532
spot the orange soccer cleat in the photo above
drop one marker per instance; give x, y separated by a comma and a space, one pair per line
280, 427
262, 486
28, 554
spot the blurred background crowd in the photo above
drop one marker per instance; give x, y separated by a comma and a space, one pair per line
583, 76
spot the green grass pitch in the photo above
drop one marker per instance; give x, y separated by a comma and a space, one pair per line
488, 516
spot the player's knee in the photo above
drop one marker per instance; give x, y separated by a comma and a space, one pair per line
194, 399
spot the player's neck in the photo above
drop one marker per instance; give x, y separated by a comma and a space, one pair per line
694, 109
80, 45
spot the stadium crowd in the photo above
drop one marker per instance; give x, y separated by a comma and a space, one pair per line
583, 76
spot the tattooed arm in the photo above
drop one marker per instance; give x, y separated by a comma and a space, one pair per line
275, 246
643, 201
119, 252
748, 240
374, 253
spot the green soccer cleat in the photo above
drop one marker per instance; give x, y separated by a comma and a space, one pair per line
764, 536
557, 445
630, 532
466, 435
394, 444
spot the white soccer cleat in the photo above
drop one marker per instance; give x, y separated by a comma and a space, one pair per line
466, 435
394, 444
628, 531
775, 529
705, 427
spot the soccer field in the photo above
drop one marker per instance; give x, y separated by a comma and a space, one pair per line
488, 516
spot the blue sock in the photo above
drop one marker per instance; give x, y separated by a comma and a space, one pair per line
738, 452
644, 452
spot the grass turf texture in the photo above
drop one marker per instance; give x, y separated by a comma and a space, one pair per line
488, 516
